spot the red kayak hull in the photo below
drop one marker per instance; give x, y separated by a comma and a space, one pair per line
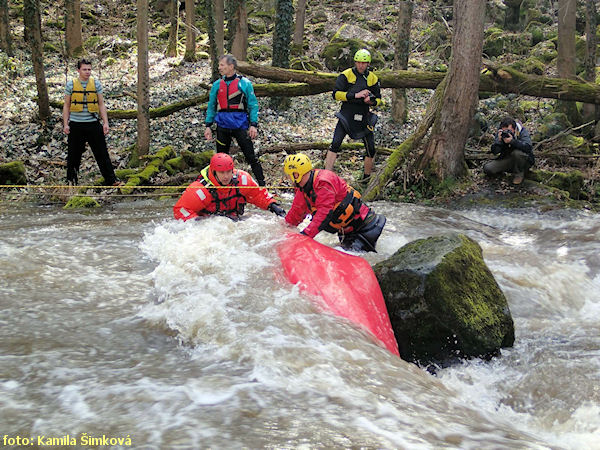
345, 283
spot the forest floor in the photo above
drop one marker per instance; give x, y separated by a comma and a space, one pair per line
42, 146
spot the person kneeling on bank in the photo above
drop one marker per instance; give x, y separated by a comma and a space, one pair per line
223, 191
335, 206
513, 144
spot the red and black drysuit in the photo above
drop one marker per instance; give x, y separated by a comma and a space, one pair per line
206, 196
335, 208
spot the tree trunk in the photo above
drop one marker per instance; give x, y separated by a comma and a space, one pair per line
143, 86
190, 30
31, 16
444, 153
299, 26
399, 99
590, 111
73, 40
173, 29
212, 44
566, 54
498, 79
220, 26
512, 14
398, 156
5, 37
239, 44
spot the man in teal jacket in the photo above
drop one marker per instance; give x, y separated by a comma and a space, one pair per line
233, 106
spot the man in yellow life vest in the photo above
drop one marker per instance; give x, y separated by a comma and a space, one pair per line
358, 89
83, 108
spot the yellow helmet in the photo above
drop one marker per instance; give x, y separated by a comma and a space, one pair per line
363, 55
296, 166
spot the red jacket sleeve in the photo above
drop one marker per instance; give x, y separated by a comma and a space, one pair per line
259, 197
195, 199
298, 210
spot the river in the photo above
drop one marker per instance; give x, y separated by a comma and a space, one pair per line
122, 323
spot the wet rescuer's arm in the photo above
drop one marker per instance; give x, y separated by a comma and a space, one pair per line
195, 199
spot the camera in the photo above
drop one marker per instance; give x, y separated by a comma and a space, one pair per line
506, 133
372, 98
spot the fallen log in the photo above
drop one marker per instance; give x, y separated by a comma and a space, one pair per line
291, 148
496, 79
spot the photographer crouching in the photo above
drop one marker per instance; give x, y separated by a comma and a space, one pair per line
513, 144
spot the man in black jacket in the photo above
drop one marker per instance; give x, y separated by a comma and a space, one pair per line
358, 89
513, 144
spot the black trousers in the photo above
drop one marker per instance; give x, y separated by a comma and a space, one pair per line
517, 163
92, 133
340, 133
224, 136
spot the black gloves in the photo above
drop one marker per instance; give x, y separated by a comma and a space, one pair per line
275, 208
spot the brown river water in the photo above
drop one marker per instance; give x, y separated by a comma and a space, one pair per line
125, 329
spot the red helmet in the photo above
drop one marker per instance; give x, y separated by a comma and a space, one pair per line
221, 162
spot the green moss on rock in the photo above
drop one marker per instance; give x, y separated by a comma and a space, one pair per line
81, 202
197, 160
13, 173
571, 182
443, 301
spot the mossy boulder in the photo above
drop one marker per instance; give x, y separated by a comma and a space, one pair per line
13, 173
434, 35
259, 52
531, 65
443, 301
318, 17
552, 125
498, 42
81, 202
571, 182
338, 55
545, 51
257, 25
348, 31
197, 160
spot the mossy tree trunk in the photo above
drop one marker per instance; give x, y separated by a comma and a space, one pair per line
567, 10
143, 87
399, 99
73, 39
590, 111
31, 16
219, 26
444, 153
212, 44
400, 154
239, 24
173, 29
190, 31
5, 37
299, 25
512, 14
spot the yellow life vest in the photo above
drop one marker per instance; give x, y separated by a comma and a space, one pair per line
87, 96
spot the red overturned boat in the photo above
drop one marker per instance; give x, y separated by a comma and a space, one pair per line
346, 283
